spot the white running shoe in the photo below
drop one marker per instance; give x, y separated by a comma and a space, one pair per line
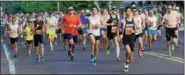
126, 67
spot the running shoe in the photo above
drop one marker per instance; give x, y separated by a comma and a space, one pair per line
69, 53
65, 49
172, 46
94, 63
52, 52
72, 57
29, 52
92, 58
118, 60
126, 67
38, 59
55, 43
42, 59
169, 54
15, 56
177, 46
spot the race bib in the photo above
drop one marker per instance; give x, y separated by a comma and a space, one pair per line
114, 29
129, 30
38, 31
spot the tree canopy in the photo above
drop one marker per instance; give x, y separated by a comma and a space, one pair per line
43, 6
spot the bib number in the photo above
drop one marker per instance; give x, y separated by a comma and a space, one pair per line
114, 29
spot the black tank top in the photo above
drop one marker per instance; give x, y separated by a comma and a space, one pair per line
129, 24
38, 24
111, 20
114, 21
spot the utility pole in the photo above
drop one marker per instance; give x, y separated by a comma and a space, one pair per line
58, 6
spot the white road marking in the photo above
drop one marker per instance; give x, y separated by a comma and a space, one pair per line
176, 59
10, 62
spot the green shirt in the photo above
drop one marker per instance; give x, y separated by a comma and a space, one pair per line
158, 15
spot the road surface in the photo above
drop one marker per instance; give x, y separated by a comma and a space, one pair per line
153, 62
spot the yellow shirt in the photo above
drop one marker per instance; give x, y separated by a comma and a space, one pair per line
29, 33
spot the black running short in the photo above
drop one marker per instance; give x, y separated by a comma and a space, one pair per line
130, 40
139, 35
96, 37
38, 39
111, 36
170, 32
29, 41
64, 35
13, 40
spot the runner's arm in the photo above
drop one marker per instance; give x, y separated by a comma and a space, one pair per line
162, 22
120, 23
108, 24
62, 25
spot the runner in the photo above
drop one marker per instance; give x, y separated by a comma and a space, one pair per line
112, 32
51, 22
144, 16
22, 22
59, 33
122, 16
83, 28
13, 31
180, 17
94, 22
171, 21
71, 23
152, 28
38, 38
104, 19
158, 15
139, 31
129, 35
29, 36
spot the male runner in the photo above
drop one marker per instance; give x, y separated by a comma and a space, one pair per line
171, 21
38, 38
70, 24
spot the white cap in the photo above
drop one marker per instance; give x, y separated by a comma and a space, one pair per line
133, 5
177, 8
87, 11
70, 8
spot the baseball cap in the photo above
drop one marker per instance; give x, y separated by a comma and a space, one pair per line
114, 8
177, 8
70, 8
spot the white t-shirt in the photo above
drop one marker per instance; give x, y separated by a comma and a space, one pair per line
13, 30
154, 20
94, 21
53, 21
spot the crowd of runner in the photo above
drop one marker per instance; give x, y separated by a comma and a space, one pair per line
112, 26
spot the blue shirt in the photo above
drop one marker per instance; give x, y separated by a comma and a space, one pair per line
83, 19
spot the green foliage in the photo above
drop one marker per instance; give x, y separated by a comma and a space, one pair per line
14, 7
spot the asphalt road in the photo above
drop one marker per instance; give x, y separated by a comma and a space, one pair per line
153, 62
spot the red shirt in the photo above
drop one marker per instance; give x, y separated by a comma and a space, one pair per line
71, 21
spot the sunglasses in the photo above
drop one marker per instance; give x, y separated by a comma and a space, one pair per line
71, 10
114, 9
